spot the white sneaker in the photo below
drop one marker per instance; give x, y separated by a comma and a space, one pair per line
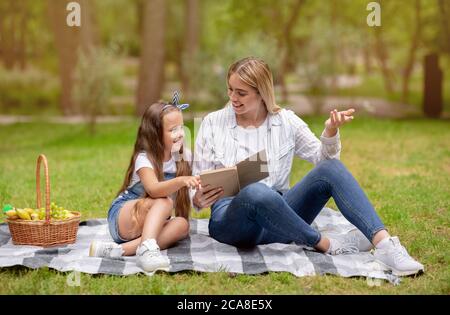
105, 249
394, 256
351, 243
149, 257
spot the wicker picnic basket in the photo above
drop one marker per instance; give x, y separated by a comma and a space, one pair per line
48, 232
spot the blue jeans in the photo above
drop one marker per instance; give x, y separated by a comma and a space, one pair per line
260, 215
134, 192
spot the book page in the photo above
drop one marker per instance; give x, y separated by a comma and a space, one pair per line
227, 178
253, 169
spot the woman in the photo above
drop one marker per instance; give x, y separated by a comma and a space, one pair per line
269, 211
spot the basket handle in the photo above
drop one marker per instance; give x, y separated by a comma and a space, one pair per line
40, 159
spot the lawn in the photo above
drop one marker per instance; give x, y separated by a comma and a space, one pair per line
404, 167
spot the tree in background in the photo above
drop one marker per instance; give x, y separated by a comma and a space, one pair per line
263, 29
68, 40
151, 69
95, 76
286, 45
381, 48
14, 25
191, 44
444, 10
415, 41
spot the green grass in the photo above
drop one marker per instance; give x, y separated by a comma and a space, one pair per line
403, 166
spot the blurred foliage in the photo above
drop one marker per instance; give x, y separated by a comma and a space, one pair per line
22, 90
118, 25
95, 77
208, 71
327, 39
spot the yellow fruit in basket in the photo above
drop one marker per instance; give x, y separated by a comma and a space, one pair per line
69, 215
29, 210
34, 216
12, 214
24, 215
41, 214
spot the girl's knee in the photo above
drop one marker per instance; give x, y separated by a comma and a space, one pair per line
143, 206
182, 226
163, 204
166, 203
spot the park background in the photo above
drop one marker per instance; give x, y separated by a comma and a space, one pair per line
76, 93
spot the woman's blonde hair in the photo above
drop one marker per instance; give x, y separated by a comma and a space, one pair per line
256, 73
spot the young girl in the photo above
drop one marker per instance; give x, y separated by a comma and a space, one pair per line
157, 180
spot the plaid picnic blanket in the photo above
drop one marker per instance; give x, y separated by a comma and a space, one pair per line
201, 253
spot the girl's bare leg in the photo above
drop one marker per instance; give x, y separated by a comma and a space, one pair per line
151, 222
173, 231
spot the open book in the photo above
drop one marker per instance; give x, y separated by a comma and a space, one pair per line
233, 179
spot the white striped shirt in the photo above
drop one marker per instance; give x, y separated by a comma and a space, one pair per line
287, 135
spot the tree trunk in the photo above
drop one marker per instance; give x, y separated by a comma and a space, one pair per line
9, 34
191, 43
21, 47
151, 71
2, 32
88, 33
444, 9
432, 86
68, 40
367, 60
13, 29
382, 56
286, 46
333, 51
139, 7
415, 40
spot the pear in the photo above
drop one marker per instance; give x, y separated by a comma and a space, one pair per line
34, 216
41, 214
69, 215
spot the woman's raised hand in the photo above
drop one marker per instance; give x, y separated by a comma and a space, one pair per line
336, 120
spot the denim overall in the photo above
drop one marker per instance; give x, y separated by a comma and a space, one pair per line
134, 192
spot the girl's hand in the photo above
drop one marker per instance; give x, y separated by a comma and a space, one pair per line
205, 196
336, 120
190, 181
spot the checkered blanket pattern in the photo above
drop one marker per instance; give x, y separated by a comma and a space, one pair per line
200, 252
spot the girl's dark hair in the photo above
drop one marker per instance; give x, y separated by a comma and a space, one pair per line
150, 140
